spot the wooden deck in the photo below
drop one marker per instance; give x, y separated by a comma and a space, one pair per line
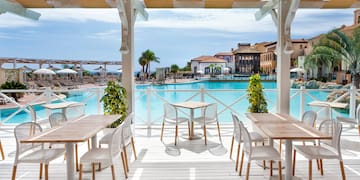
188, 160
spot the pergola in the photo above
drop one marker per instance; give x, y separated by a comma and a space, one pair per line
281, 11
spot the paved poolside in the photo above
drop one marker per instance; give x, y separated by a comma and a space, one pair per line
188, 160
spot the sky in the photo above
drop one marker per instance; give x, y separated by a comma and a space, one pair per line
175, 35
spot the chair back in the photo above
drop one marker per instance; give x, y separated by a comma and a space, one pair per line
170, 112
357, 115
246, 138
57, 119
25, 131
32, 113
127, 130
334, 129
116, 143
210, 112
237, 127
75, 111
309, 118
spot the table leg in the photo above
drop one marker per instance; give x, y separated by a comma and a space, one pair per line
288, 159
70, 166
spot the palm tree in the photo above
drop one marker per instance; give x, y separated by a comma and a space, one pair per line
174, 69
321, 57
336, 46
147, 57
142, 62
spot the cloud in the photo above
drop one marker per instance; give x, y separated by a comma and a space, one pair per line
4, 36
9, 20
107, 35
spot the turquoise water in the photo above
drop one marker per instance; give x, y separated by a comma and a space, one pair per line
228, 93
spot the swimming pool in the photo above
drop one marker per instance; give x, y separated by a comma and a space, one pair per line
223, 93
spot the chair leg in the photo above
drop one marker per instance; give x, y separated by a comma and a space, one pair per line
176, 133
280, 146
162, 131
13, 173
271, 168
93, 171
359, 129
80, 172
113, 172
247, 171
231, 147
310, 169
46, 171
124, 164
76, 157
205, 134
321, 167
218, 127
2, 151
294, 162
280, 173
237, 158
241, 163
126, 159
133, 146
342, 170
41, 168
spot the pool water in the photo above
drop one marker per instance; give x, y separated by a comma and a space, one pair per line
228, 93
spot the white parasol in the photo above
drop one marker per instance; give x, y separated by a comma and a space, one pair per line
66, 71
297, 70
44, 71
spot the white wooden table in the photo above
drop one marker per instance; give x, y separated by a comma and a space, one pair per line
328, 106
282, 126
192, 105
73, 132
62, 106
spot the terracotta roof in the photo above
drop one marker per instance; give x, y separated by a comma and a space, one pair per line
245, 49
224, 54
208, 59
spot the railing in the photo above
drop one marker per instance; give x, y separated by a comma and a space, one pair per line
149, 102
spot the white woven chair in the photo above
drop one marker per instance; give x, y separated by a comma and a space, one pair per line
355, 121
327, 149
106, 155
257, 153
58, 119
255, 137
171, 117
32, 152
209, 116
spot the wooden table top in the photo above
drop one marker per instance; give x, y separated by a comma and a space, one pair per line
270, 118
328, 104
191, 104
74, 131
61, 105
293, 131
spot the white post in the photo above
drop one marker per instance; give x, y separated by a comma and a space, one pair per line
48, 99
202, 94
128, 20
302, 101
283, 60
98, 98
352, 105
148, 102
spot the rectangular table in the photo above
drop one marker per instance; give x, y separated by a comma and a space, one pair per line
73, 132
62, 106
192, 105
329, 106
283, 126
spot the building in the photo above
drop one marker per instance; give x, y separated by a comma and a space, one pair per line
229, 58
247, 59
208, 65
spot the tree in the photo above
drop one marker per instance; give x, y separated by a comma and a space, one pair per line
336, 46
256, 95
142, 62
174, 69
146, 58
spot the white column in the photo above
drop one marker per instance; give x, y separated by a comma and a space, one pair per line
283, 59
128, 56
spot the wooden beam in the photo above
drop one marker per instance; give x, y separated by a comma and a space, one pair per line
266, 9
